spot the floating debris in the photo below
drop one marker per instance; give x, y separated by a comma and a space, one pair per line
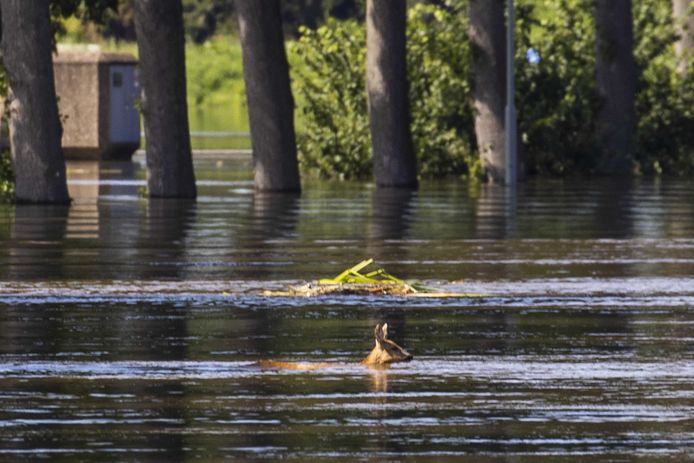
352, 282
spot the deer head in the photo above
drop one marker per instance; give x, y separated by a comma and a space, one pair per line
385, 350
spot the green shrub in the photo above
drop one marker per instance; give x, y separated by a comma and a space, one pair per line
214, 72
665, 100
440, 73
6, 172
6, 177
328, 76
329, 84
556, 98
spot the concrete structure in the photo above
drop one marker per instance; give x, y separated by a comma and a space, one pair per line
97, 94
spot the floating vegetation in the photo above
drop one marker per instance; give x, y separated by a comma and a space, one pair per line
353, 281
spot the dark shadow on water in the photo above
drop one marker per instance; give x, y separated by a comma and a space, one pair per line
389, 223
273, 216
391, 213
266, 230
496, 212
36, 253
36, 245
614, 207
162, 242
163, 236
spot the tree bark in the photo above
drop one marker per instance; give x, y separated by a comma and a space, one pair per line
161, 43
487, 32
683, 17
387, 91
35, 130
616, 83
270, 101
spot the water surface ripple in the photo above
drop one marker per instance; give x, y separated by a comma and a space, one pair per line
131, 328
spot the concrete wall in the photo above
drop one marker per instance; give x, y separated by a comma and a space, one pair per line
77, 87
83, 87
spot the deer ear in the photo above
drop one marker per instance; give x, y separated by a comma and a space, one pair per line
384, 331
377, 331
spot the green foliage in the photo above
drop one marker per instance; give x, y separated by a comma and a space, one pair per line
6, 177
4, 81
91, 10
665, 100
94, 11
329, 82
558, 100
202, 19
557, 97
214, 72
120, 23
439, 71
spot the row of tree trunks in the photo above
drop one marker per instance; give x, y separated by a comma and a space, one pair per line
271, 108
35, 126
35, 129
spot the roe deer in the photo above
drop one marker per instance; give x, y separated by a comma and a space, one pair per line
384, 352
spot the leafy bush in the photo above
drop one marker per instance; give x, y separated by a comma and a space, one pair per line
6, 172
440, 73
214, 72
557, 97
558, 100
329, 83
665, 100
6, 177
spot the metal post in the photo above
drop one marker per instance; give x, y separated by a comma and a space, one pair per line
510, 123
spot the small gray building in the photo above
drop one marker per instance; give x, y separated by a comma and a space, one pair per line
97, 100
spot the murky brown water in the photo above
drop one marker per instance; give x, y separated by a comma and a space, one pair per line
129, 328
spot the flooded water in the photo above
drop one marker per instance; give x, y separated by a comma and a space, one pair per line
130, 328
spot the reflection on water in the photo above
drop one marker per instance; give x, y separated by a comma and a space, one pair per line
131, 327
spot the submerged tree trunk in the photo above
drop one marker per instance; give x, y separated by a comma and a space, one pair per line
683, 17
387, 90
270, 101
160, 40
616, 83
487, 32
35, 130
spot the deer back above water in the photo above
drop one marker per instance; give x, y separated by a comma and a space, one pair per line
384, 352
